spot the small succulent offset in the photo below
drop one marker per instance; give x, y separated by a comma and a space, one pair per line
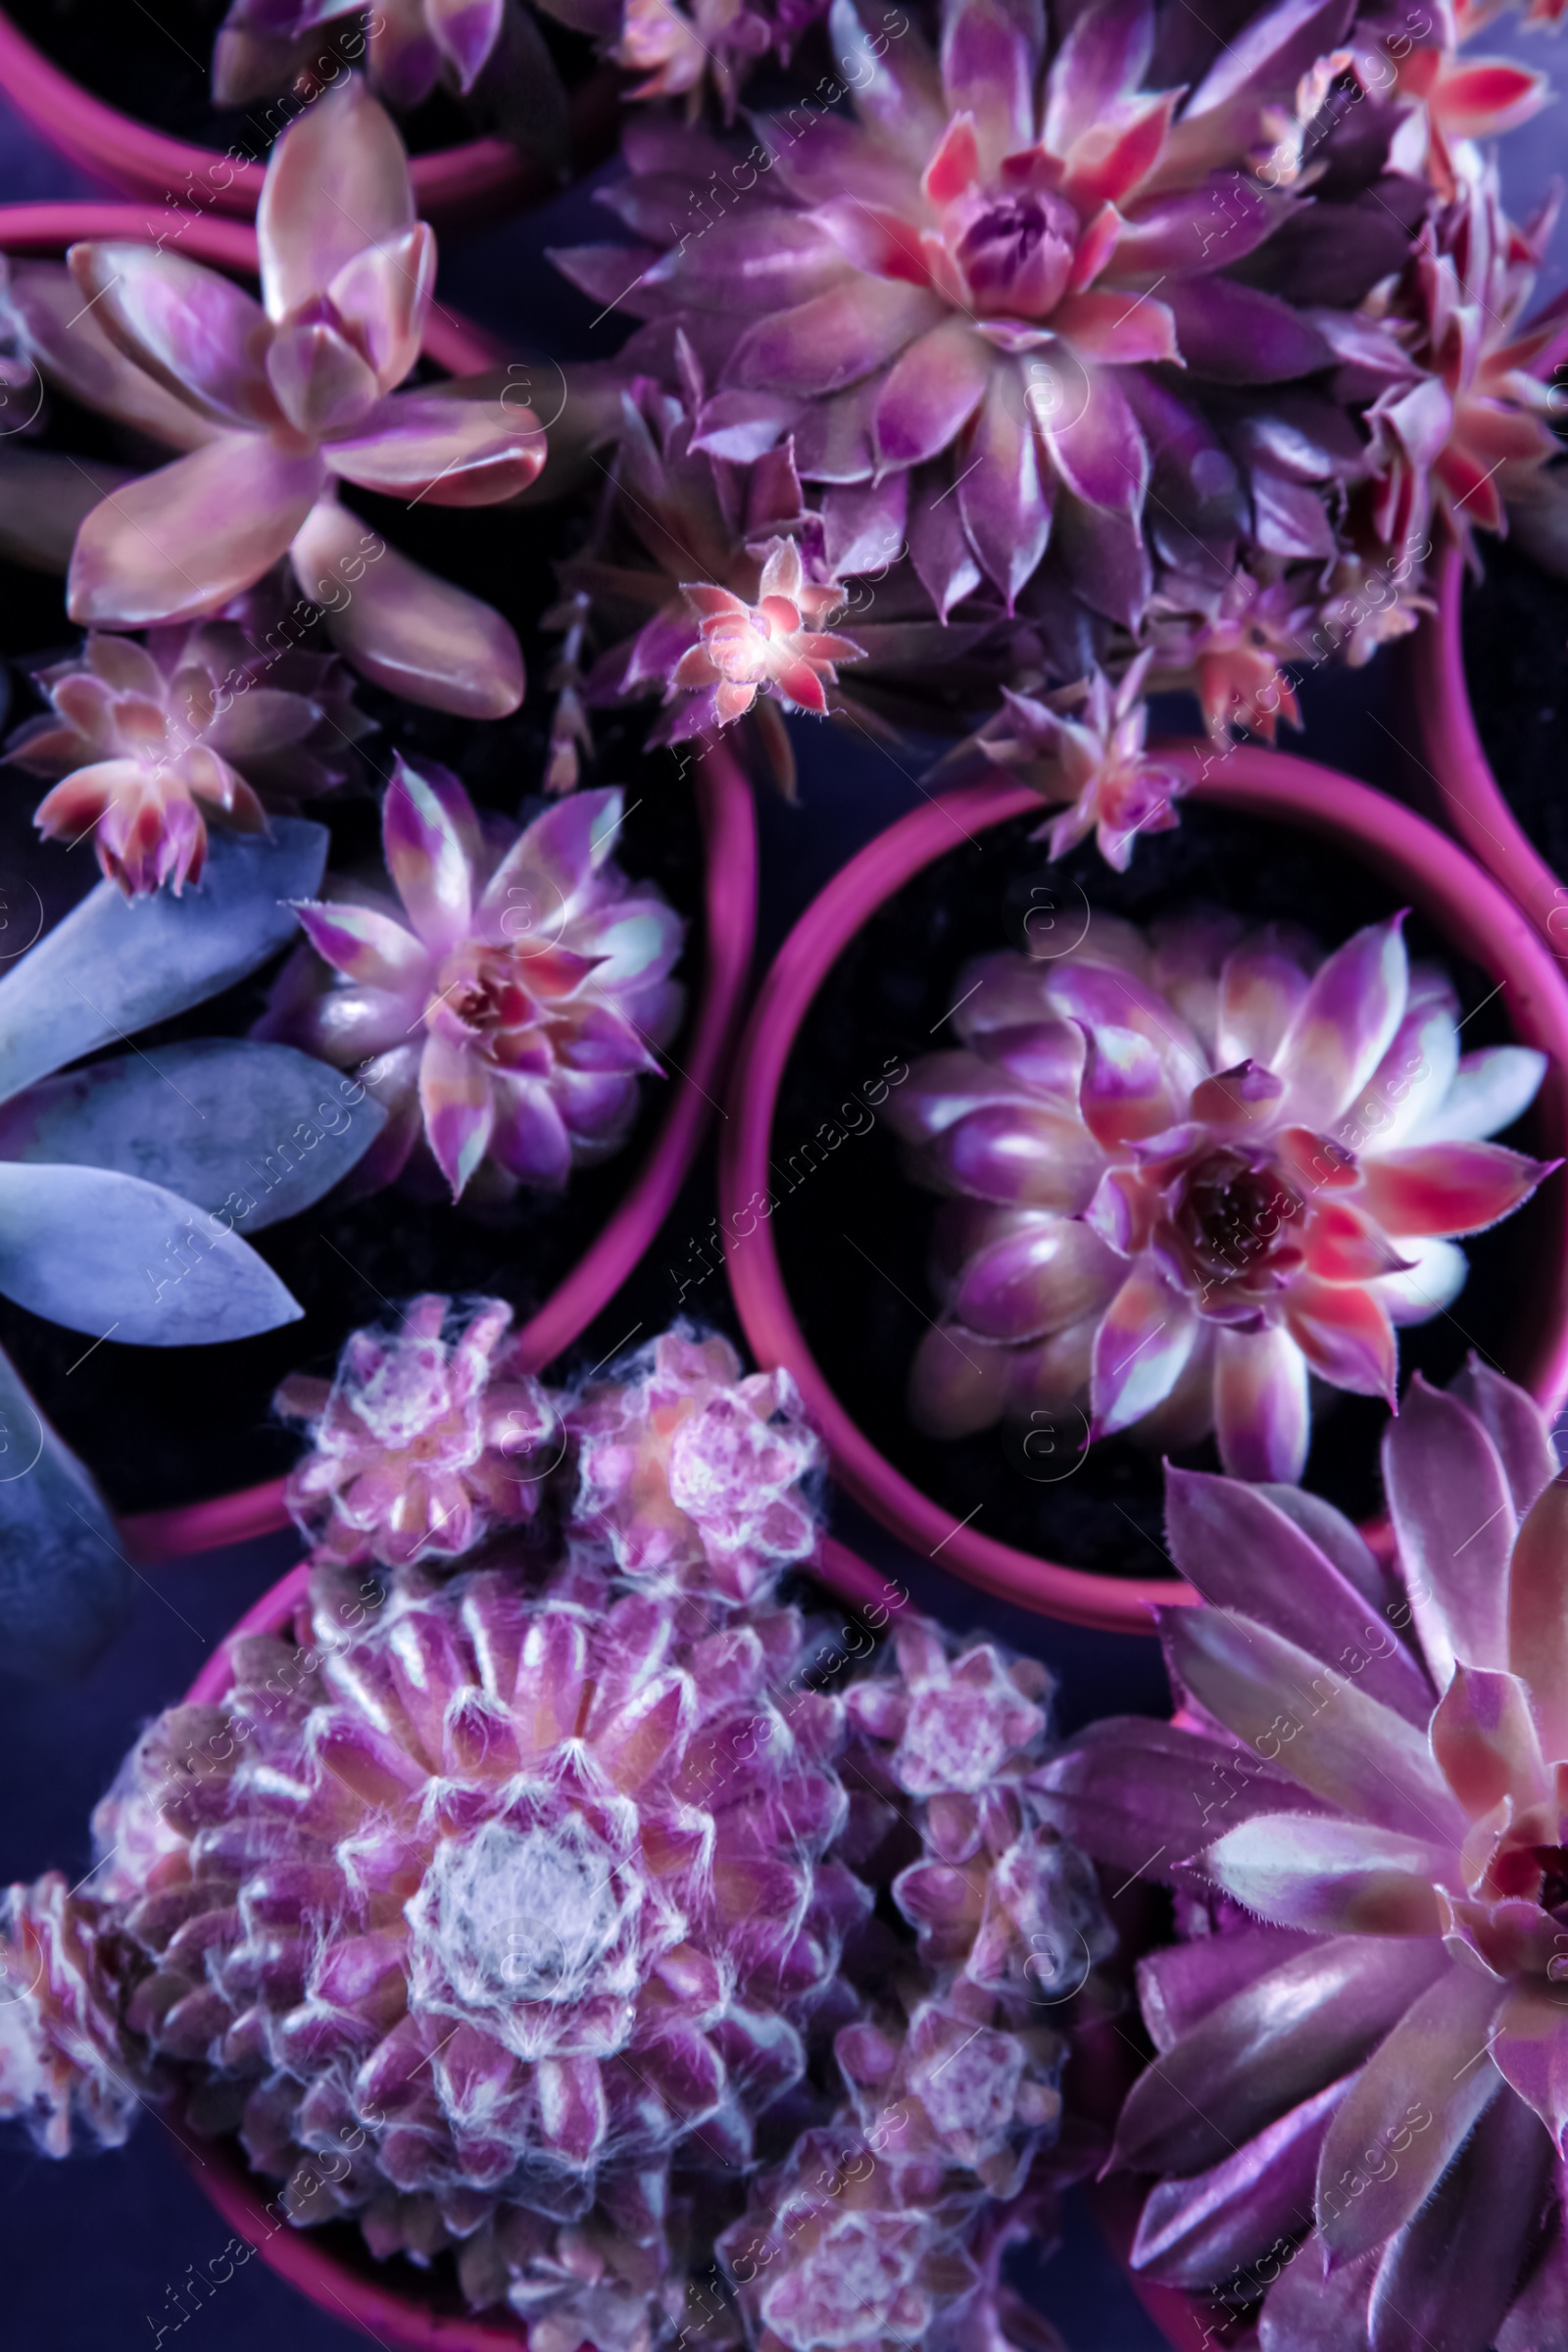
594, 1924
504, 1006
429, 1438
127, 1188
147, 739
1189, 1168
1089, 752
1356, 2114
285, 400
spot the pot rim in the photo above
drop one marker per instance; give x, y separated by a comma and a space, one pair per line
1474, 914
1470, 797
243, 2197
478, 177
727, 817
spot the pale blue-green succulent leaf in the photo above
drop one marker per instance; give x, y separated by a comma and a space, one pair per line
257, 1131
115, 964
110, 1255
65, 1586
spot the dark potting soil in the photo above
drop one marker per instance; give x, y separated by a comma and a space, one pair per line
1515, 640
164, 1426
854, 1233
156, 66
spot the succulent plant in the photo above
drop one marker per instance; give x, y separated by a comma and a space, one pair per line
961, 276
504, 1006
128, 1188
559, 1916
1090, 751
285, 400
1462, 425
142, 734
1357, 2104
429, 1437
713, 43
1188, 1169
486, 53
671, 583
697, 1478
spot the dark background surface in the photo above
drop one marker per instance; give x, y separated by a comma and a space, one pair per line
94, 2252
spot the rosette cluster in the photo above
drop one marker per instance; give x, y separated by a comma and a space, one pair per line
565, 1917
1355, 2115
1188, 1168
1089, 341
430, 1436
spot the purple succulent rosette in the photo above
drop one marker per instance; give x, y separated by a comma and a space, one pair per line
149, 738
1356, 2110
1189, 1168
502, 1010
430, 1437
1128, 356
697, 1478
587, 1924
977, 273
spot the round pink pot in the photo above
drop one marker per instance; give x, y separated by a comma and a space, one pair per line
1421, 864
1467, 794
453, 188
395, 2308
728, 824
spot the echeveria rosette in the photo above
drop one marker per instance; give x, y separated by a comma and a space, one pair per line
699, 1479
1089, 752
505, 1005
148, 739
429, 1437
1188, 1169
983, 263
1360, 2069
777, 645
302, 394
534, 1914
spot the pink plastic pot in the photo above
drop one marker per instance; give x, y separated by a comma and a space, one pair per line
1467, 795
727, 819
388, 2305
1424, 867
454, 186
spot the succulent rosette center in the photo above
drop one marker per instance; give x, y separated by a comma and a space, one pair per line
1226, 1217
1015, 251
1187, 1170
530, 1928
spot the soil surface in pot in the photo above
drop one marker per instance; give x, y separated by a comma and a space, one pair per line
1515, 638
164, 1426
157, 68
853, 1233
